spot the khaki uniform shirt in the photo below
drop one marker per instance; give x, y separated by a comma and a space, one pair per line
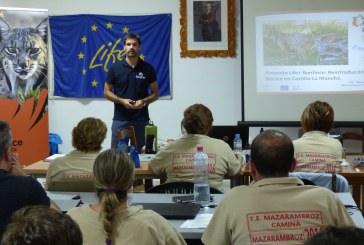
315, 151
274, 211
175, 160
134, 226
75, 164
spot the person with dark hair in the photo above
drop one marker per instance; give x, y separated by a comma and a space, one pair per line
40, 225
276, 208
333, 235
127, 85
111, 220
175, 159
316, 151
87, 138
16, 188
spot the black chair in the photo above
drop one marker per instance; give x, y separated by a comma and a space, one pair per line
307, 182
178, 187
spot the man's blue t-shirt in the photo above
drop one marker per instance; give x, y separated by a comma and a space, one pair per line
131, 83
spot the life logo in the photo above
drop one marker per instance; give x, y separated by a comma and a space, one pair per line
140, 76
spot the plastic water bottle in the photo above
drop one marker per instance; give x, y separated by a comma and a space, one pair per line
151, 138
238, 146
246, 153
122, 146
201, 185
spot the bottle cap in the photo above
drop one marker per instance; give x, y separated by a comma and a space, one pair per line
237, 136
199, 148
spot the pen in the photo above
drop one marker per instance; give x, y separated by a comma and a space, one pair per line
211, 206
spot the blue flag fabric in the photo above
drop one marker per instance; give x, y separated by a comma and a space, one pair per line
84, 47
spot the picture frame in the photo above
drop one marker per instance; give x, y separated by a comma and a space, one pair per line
207, 28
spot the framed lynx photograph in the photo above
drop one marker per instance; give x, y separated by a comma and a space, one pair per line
207, 28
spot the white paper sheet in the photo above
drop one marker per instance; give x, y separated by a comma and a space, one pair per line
54, 156
200, 221
145, 157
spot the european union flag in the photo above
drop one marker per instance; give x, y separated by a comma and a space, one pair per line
84, 47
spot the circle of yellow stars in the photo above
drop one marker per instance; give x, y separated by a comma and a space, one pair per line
81, 55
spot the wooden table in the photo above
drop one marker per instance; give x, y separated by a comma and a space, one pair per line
40, 168
355, 177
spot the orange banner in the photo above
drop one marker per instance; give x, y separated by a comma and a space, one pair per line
29, 123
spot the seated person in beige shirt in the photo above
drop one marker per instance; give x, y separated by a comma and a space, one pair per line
110, 220
276, 209
87, 138
316, 151
175, 159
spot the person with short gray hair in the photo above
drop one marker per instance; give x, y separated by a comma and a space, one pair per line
16, 188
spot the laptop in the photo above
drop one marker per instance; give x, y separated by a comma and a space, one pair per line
173, 210
227, 134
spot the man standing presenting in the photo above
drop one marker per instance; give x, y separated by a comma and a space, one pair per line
127, 85
275, 209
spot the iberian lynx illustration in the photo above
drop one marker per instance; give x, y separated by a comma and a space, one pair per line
24, 60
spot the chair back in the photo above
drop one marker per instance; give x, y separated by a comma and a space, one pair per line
178, 187
307, 182
129, 134
334, 182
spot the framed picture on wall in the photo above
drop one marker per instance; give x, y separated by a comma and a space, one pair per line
207, 28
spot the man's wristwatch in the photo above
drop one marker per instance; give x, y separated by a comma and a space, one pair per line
144, 102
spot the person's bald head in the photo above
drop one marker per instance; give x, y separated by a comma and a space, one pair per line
272, 153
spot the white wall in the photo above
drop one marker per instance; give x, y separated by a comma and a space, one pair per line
215, 82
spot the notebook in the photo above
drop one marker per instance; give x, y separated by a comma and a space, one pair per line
173, 210
227, 134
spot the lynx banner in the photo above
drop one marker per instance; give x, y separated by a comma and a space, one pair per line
23, 80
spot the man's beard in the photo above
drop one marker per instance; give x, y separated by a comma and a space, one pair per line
132, 54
